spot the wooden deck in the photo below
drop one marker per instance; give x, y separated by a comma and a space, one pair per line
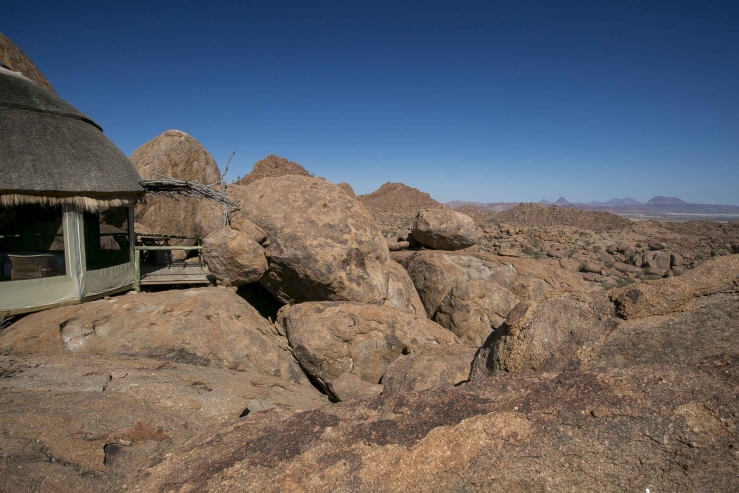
175, 273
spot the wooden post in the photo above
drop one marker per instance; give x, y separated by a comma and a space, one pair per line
137, 271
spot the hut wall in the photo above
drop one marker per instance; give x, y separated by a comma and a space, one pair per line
101, 281
32, 293
78, 283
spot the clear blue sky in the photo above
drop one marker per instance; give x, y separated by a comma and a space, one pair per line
482, 101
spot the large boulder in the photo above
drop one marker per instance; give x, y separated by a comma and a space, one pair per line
648, 427
233, 257
497, 284
656, 261
401, 292
209, 216
319, 246
175, 153
330, 339
210, 327
544, 335
442, 229
475, 308
430, 367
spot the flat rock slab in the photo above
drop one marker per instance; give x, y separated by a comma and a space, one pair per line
621, 429
430, 367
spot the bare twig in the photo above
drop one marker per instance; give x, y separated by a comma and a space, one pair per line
223, 176
225, 211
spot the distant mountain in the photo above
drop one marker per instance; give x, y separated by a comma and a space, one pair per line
626, 201
490, 206
660, 207
630, 201
660, 200
559, 201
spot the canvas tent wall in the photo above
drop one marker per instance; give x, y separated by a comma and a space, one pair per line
66, 197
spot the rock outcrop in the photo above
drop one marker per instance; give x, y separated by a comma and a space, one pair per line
17, 61
319, 245
212, 328
347, 188
233, 257
444, 229
670, 295
397, 198
272, 166
89, 393
665, 320
472, 294
472, 309
330, 339
532, 214
429, 367
581, 399
646, 427
401, 292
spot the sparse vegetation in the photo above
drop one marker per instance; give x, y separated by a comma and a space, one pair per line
624, 281
606, 285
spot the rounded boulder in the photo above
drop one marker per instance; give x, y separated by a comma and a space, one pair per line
443, 229
234, 257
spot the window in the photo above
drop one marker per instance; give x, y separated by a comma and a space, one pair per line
106, 238
31, 242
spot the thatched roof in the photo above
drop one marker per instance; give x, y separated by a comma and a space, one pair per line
52, 153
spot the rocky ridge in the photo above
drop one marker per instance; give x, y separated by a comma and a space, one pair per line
398, 198
17, 61
272, 166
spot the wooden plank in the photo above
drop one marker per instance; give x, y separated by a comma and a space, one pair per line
187, 281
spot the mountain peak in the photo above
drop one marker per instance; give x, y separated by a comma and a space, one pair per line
665, 200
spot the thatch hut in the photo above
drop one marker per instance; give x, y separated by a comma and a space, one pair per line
66, 202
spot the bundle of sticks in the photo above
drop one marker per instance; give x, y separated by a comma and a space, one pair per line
172, 187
